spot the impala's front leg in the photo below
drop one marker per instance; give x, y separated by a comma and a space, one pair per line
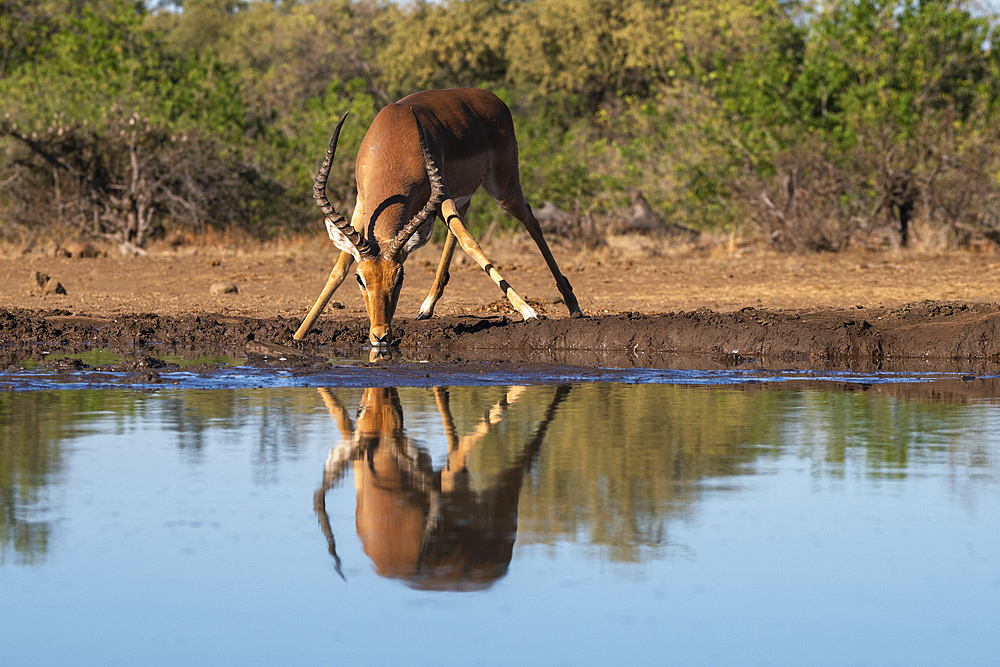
440, 278
469, 245
332, 283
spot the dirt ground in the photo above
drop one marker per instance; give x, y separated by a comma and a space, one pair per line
639, 298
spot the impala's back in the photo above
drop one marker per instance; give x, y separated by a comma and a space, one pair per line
468, 130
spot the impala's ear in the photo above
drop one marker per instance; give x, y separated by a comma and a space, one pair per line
340, 240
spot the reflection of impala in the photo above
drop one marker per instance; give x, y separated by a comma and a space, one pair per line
429, 150
427, 528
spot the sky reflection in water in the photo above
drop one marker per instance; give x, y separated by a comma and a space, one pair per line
648, 522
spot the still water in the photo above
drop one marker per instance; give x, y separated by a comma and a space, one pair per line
571, 524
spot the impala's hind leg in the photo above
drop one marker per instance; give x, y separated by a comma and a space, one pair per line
443, 275
519, 208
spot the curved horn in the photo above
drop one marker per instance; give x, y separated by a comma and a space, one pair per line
438, 194
319, 194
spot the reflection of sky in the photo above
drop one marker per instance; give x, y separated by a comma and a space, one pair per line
162, 555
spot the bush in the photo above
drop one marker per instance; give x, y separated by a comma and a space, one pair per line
811, 126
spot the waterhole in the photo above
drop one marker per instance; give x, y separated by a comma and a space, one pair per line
705, 517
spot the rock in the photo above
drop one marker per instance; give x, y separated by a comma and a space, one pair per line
129, 249
75, 249
549, 212
53, 249
644, 220
47, 283
224, 288
80, 249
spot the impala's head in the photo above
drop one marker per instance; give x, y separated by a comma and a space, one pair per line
380, 279
380, 269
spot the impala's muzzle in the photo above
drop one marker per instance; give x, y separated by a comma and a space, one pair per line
380, 336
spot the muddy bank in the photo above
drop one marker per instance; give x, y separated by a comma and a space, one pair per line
902, 337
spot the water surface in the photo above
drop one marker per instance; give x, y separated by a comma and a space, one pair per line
571, 523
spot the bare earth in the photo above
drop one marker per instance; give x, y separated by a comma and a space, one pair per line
639, 298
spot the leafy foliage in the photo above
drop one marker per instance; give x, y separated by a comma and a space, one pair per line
814, 126
105, 131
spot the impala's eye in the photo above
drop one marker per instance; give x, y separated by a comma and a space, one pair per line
360, 281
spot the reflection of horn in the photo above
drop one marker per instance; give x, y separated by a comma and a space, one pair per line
430, 527
336, 464
319, 506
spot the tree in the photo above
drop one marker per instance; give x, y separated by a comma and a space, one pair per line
103, 127
455, 43
587, 52
907, 90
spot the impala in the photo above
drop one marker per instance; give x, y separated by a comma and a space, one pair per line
428, 528
425, 155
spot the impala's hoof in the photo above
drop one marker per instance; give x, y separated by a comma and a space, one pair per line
426, 308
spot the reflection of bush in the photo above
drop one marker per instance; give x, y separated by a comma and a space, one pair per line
871, 123
31, 457
617, 465
624, 461
628, 459
35, 427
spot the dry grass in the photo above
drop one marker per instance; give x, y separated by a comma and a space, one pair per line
615, 247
